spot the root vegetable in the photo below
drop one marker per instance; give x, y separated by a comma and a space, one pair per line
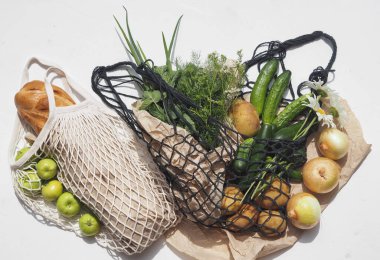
245, 117
303, 210
245, 218
333, 143
276, 195
321, 175
271, 223
232, 199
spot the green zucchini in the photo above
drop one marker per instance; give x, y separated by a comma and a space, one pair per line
274, 97
260, 87
290, 112
240, 162
288, 133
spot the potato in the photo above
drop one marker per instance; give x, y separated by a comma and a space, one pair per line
232, 199
245, 218
245, 117
276, 195
271, 223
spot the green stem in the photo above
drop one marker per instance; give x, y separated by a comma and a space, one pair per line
303, 131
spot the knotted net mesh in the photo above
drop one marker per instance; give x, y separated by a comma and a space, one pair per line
104, 164
207, 187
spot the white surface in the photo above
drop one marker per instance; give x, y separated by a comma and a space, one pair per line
80, 35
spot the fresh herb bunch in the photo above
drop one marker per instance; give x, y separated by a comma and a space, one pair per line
212, 85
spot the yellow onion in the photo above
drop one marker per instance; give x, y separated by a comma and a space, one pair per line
321, 174
333, 143
245, 117
304, 210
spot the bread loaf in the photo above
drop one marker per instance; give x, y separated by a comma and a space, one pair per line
33, 105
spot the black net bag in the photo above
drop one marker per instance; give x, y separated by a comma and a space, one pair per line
237, 183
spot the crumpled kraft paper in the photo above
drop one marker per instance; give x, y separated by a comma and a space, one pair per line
200, 174
199, 242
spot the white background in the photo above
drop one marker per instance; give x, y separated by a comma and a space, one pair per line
80, 35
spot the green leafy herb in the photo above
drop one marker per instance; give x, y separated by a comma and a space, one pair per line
150, 97
213, 85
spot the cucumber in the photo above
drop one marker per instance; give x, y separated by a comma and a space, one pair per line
240, 162
259, 148
260, 87
256, 157
295, 175
290, 112
288, 133
275, 96
265, 132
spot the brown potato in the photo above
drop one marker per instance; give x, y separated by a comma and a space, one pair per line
271, 223
245, 117
245, 218
232, 199
276, 195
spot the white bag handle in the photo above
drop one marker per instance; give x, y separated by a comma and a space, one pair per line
69, 86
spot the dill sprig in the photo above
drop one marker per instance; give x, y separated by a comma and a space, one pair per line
213, 85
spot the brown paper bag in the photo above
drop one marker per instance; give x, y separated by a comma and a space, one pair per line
200, 242
198, 171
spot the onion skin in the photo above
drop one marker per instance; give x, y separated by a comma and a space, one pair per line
321, 174
245, 117
333, 143
304, 210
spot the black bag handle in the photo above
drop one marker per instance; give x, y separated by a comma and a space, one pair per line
278, 50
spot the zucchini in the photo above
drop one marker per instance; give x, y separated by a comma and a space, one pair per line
260, 87
288, 133
240, 162
275, 96
290, 112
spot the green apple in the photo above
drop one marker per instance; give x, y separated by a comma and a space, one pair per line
21, 152
46, 168
89, 225
67, 205
52, 190
30, 182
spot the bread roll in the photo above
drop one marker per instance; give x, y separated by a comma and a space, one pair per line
33, 105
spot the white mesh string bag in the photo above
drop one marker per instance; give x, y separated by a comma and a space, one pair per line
102, 162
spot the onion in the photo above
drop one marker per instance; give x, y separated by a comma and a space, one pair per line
321, 175
333, 143
303, 210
